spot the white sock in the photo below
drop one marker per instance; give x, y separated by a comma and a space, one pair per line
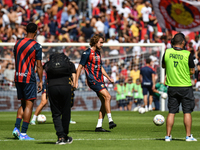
109, 117
99, 123
34, 118
146, 107
150, 107
23, 134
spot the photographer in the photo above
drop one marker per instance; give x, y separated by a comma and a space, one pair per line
60, 78
179, 65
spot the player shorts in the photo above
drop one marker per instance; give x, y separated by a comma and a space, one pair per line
147, 89
122, 103
129, 99
27, 91
183, 95
97, 87
44, 89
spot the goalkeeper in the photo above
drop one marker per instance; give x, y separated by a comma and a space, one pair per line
160, 88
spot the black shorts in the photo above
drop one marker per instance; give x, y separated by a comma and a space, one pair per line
183, 95
129, 99
147, 88
122, 103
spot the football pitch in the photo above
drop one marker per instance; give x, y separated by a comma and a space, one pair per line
134, 131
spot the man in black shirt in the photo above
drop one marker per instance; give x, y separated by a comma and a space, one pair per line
60, 81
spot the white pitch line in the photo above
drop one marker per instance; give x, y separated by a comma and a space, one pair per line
99, 139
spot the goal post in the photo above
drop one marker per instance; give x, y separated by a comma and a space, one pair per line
148, 49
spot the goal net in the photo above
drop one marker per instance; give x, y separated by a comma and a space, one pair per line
119, 61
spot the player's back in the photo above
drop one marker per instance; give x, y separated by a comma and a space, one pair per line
146, 73
26, 52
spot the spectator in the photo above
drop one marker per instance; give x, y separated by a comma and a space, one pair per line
72, 27
117, 4
124, 72
146, 10
113, 21
135, 73
46, 4
129, 93
96, 10
120, 96
114, 70
138, 95
52, 28
72, 10
5, 17
114, 49
99, 26
107, 67
196, 42
9, 74
64, 16
87, 31
37, 5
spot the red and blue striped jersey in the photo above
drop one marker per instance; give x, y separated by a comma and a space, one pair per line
91, 60
26, 52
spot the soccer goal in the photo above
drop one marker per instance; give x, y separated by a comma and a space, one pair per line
116, 58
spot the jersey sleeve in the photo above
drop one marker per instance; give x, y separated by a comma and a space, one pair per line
84, 58
38, 48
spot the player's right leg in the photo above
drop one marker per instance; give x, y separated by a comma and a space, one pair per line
39, 108
169, 125
145, 90
20, 112
30, 94
107, 98
188, 105
102, 112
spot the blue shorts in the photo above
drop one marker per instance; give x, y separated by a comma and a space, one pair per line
44, 89
146, 89
97, 86
27, 91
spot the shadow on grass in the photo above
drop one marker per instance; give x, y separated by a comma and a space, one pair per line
82, 131
45, 123
53, 143
172, 139
11, 138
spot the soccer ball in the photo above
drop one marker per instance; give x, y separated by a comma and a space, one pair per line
41, 118
164, 95
141, 110
159, 120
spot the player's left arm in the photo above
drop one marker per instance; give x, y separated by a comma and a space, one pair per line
39, 66
106, 75
153, 80
191, 64
163, 61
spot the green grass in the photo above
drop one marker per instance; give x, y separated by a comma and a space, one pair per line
134, 131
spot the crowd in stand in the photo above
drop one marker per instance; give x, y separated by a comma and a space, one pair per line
119, 21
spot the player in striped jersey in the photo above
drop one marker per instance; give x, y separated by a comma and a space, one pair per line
91, 61
27, 53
